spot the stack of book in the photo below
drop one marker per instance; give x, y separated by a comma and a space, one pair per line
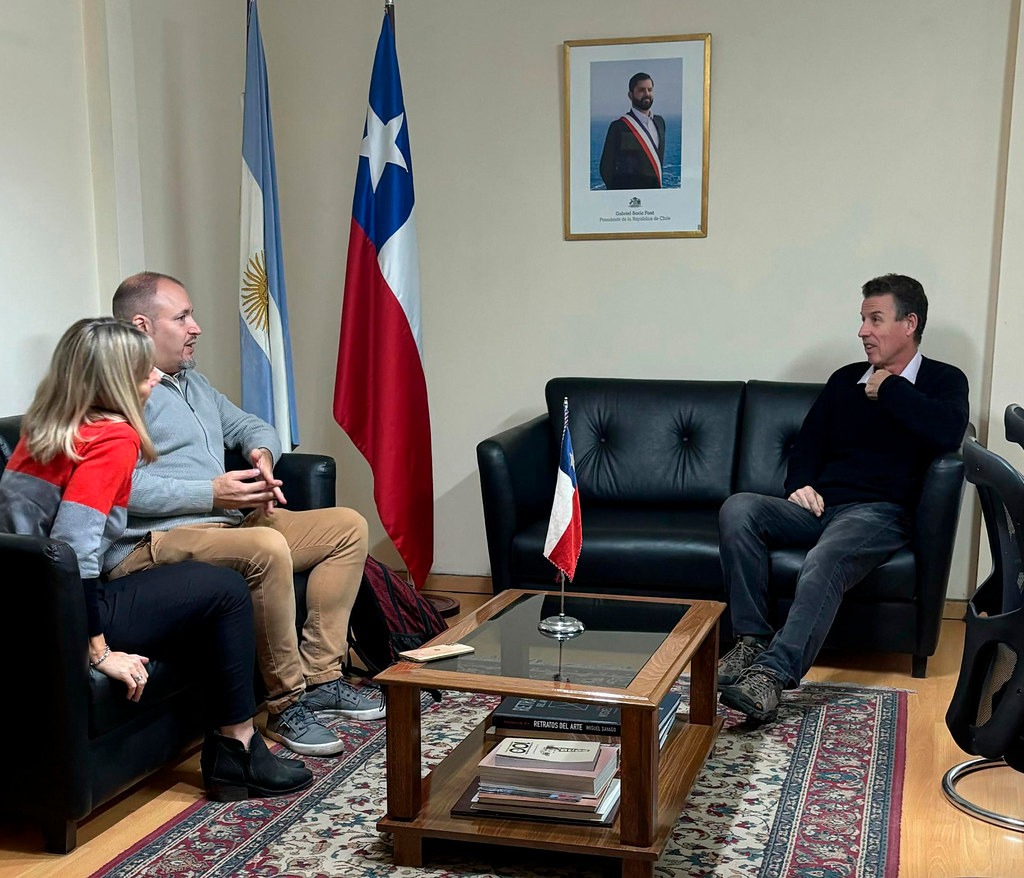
529, 717
546, 779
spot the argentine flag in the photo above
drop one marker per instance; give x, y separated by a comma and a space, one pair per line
268, 390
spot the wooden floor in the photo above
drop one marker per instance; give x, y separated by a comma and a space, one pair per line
938, 841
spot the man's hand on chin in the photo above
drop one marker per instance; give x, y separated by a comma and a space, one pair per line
874, 382
810, 499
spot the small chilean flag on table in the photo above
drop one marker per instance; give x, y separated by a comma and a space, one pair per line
565, 529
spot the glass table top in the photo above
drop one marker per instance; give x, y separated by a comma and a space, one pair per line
620, 637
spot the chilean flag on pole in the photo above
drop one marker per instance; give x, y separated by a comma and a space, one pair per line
565, 528
380, 393
268, 390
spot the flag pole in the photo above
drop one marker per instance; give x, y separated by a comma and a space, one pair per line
562, 627
389, 10
557, 677
268, 385
379, 376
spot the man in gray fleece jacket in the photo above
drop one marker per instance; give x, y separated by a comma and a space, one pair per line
185, 506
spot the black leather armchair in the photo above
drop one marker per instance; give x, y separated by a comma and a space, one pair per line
1013, 421
986, 714
86, 742
654, 462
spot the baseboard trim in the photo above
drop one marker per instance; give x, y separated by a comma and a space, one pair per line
955, 610
456, 584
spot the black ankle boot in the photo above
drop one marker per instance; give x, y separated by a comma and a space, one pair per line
232, 773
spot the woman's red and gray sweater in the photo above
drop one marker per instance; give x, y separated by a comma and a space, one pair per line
83, 503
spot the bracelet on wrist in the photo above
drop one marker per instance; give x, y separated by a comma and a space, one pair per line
101, 659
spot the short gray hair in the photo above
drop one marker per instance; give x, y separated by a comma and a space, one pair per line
134, 295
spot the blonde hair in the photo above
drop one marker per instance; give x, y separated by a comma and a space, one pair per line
94, 373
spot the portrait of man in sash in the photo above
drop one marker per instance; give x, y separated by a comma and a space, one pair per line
635, 136
634, 147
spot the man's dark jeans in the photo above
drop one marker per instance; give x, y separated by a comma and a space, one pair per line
845, 544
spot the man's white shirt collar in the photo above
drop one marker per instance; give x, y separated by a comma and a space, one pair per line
172, 378
910, 373
646, 118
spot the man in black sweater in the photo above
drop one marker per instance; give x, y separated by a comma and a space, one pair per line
854, 473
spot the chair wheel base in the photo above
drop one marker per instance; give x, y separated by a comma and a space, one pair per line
949, 790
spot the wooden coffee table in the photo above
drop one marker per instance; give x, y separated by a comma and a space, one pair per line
632, 652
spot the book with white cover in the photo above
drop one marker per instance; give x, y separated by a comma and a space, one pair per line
546, 753
590, 783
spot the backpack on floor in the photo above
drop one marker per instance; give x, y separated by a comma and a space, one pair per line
389, 616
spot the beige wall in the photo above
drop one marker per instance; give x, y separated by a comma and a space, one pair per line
1007, 323
47, 235
846, 140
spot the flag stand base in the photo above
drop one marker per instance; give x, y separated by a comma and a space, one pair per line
561, 627
446, 606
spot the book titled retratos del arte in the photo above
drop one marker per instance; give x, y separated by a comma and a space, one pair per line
562, 716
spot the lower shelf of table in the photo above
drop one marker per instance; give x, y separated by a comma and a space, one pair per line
680, 760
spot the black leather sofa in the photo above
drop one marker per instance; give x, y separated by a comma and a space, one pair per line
79, 742
654, 462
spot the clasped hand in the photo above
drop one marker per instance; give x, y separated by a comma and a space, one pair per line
250, 488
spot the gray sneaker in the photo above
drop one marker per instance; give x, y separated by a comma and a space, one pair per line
756, 693
298, 729
739, 658
339, 698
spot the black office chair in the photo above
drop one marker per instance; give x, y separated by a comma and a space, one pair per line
1013, 420
986, 715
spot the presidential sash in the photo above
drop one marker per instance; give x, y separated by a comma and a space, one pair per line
643, 137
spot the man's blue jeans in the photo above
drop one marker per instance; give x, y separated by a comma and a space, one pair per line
846, 544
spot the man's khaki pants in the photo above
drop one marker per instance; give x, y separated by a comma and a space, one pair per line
266, 549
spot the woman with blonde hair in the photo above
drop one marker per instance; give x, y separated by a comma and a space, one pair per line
69, 479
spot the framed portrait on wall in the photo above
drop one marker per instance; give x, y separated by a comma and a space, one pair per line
635, 137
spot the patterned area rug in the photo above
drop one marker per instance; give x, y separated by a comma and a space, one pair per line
818, 793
